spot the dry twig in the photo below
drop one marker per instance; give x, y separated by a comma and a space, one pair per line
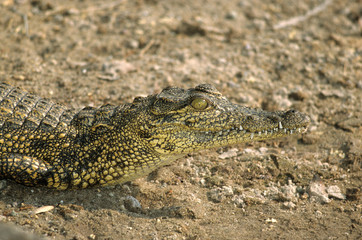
298, 19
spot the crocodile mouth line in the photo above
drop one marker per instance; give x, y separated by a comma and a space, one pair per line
262, 133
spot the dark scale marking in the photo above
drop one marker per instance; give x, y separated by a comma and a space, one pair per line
45, 144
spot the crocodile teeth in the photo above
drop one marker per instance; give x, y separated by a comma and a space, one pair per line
220, 133
280, 125
241, 128
251, 135
299, 130
291, 131
285, 130
259, 133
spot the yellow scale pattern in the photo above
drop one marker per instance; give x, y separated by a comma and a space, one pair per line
46, 144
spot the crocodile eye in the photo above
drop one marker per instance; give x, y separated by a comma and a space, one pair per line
199, 103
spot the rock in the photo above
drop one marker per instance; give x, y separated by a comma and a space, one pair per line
290, 192
219, 194
238, 200
229, 154
289, 205
287, 193
132, 204
133, 44
271, 220
251, 151
43, 209
114, 68
317, 191
231, 15
335, 192
331, 93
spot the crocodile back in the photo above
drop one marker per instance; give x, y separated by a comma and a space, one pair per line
22, 110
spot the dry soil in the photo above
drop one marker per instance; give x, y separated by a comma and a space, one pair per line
275, 54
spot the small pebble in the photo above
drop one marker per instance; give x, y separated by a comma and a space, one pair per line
231, 15
218, 194
271, 220
92, 236
132, 204
43, 209
238, 200
229, 154
317, 191
335, 192
133, 44
289, 205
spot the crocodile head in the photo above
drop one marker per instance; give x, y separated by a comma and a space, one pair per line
178, 121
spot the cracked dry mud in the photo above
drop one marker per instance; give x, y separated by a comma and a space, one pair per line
81, 53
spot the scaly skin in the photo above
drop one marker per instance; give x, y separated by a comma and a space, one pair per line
45, 144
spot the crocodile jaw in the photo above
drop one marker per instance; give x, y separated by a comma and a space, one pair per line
227, 128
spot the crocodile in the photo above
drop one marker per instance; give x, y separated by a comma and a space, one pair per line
46, 144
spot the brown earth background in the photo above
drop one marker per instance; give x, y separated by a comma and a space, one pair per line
275, 54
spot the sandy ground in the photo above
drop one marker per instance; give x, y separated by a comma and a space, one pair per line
276, 54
